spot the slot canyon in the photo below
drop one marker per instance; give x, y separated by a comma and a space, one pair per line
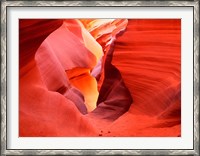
99, 77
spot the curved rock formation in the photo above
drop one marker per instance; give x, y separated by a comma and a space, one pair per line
48, 102
148, 55
100, 77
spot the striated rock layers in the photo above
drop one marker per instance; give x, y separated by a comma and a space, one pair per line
100, 77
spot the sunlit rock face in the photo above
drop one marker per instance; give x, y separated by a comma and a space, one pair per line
72, 49
100, 77
105, 32
114, 98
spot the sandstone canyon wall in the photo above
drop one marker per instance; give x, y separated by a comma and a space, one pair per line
100, 77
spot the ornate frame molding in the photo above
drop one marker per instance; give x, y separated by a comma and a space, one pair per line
5, 4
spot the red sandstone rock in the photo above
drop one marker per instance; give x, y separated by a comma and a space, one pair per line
48, 102
138, 77
148, 55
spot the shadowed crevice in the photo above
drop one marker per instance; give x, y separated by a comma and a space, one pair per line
114, 97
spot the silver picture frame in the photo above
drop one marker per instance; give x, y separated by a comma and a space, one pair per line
6, 4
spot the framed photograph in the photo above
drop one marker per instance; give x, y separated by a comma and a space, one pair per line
100, 77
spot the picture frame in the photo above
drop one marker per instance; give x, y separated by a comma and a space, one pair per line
5, 5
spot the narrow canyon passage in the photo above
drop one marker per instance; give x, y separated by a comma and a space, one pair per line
100, 77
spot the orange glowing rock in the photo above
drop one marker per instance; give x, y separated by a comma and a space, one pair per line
114, 98
100, 77
105, 32
82, 80
48, 102
68, 48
